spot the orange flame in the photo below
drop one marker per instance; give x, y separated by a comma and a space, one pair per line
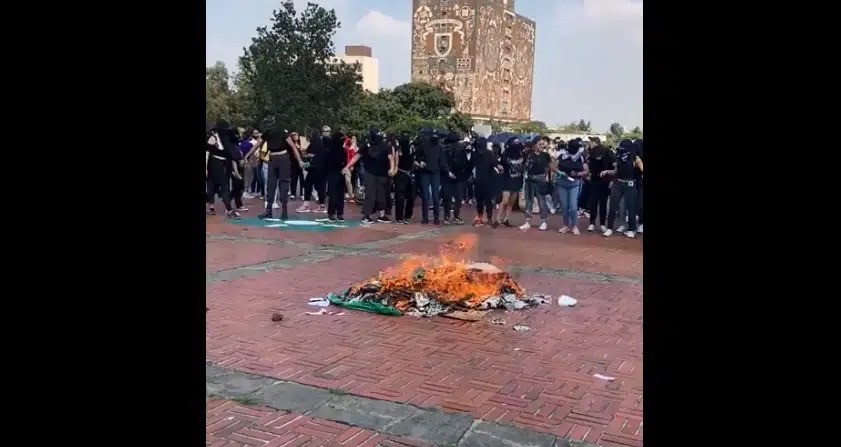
447, 277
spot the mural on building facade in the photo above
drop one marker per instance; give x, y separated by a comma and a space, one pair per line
479, 50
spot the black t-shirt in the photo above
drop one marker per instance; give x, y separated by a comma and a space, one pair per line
537, 163
625, 157
375, 158
512, 162
405, 156
569, 164
318, 152
600, 160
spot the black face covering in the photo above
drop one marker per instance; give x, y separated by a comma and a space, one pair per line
573, 147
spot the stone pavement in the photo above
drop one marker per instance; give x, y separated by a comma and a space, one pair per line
539, 382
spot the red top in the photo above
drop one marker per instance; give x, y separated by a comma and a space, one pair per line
349, 151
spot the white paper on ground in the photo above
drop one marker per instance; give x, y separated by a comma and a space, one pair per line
599, 376
566, 301
320, 312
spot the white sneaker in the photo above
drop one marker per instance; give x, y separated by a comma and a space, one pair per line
639, 230
525, 226
303, 209
564, 230
275, 206
247, 196
592, 227
551, 210
576, 231
603, 228
608, 233
621, 229
630, 235
543, 226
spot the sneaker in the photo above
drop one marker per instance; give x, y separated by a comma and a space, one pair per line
383, 219
242, 209
525, 226
321, 209
608, 233
551, 210
564, 230
592, 228
266, 215
507, 224
232, 214
211, 211
367, 220
495, 225
603, 228
332, 219
621, 229
340, 219
630, 234
303, 209
458, 221
639, 230
576, 231
247, 195
543, 226
446, 221
275, 206
477, 222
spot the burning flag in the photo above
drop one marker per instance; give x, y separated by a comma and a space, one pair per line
427, 286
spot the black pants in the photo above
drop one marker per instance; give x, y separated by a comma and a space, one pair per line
469, 191
584, 197
219, 178
316, 179
297, 178
376, 190
599, 192
639, 201
404, 195
354, 181
279, 173
629, 193
430, 180
336, 193
238, 186
452, 190
484, 200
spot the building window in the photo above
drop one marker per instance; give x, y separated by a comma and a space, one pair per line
463, 63
504, 110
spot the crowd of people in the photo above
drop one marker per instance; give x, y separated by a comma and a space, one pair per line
576, 179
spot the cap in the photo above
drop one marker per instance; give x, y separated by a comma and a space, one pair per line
325, 129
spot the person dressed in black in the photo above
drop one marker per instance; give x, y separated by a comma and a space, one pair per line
428, 170
624, 185
219, 168
379, 166
453, 183
497, 182
230, 139
638, 177
282, 154
601, 159
484, 162
512, 180
315, 174
334, 163
404, 182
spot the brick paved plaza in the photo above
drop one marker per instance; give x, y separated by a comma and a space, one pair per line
540, 381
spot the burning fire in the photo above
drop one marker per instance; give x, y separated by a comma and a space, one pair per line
449, 277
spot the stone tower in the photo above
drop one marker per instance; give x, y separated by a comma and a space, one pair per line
481, 50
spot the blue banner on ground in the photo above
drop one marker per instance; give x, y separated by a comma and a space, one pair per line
316, 225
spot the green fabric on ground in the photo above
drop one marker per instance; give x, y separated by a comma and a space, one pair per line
374, 308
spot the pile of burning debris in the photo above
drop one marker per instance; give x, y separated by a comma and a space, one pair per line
428, 286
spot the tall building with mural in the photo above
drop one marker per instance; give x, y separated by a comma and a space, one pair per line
481, 50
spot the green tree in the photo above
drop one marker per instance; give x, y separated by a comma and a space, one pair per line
530, 127
581, 126
634, 134
286, 69
219, 98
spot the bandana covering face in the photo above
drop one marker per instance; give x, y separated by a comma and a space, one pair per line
563, 155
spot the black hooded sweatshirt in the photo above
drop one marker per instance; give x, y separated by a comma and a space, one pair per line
430, 153
457, 161
318, 152
405, 155
336, 157
484, 160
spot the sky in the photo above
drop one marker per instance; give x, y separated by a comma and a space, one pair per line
588, 53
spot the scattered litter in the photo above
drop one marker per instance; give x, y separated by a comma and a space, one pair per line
516, 349
567, 301
498, 321
599, 376
320, 312
521, 328
320, 302
277, 317
340, 314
